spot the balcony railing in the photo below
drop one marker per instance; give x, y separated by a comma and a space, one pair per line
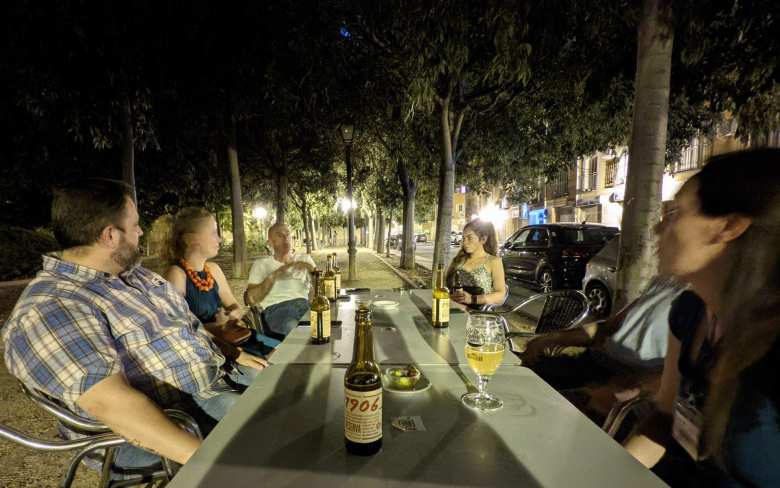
558, 186
610, 178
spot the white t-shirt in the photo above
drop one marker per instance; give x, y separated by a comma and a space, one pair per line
641, 339
295, 283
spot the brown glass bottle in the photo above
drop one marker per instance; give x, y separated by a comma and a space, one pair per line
320, 312
329, 280
440, 305
363, 393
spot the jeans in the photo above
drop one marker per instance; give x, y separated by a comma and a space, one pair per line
281, 318
260, 345
206, 412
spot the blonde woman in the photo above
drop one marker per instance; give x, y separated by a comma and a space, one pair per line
192, 242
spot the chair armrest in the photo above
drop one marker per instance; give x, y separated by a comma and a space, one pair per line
68, 418
18, 437
185, 421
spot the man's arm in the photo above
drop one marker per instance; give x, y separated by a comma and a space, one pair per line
256, 292
648, 442
592, 334
132, 415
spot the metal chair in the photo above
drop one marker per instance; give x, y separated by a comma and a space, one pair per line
95, 440
490, 307
625, 416
557, 310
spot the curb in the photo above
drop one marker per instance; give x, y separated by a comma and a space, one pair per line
417, 263
398, 273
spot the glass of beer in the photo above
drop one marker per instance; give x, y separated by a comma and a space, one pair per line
485, 346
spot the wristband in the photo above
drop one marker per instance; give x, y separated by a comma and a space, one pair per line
474, 299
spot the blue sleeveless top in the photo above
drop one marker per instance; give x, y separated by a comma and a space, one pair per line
204, 304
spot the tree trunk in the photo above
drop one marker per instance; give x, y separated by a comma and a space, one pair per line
380, 231
409, 189
642, 207
315, 245
310, 226
351, 248
389, 233
127, 146
305, 219
441, 250
282, 185
237, 208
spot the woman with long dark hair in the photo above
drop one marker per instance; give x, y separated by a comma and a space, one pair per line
476, 274
718, 408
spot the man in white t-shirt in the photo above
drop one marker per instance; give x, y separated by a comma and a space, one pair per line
280, 284
625, 353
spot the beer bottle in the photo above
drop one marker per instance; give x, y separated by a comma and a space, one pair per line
363, 393
320, 312
337, 272
330, 280
440, 306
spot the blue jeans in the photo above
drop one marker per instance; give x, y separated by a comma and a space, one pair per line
206, 411
281, 318
260, 345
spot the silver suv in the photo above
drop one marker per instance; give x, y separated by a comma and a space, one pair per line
599, 281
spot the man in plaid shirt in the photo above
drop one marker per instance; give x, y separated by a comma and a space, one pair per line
112, 339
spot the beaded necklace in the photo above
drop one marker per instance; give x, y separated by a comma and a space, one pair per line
202, 284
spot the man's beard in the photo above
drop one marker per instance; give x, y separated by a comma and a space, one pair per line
126, 256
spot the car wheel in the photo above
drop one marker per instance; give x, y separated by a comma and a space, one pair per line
546, 280
600, 301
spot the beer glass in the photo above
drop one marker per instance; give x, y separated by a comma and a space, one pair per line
485, 346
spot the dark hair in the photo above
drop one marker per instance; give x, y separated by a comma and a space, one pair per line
81, 209
745, 183
187, 221
482, 228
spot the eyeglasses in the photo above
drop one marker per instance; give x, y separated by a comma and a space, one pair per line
670, 214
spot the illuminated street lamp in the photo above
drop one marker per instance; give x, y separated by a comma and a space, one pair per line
347, 132
259, 213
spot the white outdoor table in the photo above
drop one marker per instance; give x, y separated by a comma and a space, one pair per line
287, 430
402, 335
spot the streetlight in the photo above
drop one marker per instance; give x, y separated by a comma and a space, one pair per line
347, 132
259, 213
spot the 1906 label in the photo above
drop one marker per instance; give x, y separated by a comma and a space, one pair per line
363, 415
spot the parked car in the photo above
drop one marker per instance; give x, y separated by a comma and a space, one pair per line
599, 281
421, 238
456, 238
553, 255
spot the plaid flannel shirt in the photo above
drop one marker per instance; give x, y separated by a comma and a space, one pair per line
74, 326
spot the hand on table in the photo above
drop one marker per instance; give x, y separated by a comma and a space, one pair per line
536, 348
250, 361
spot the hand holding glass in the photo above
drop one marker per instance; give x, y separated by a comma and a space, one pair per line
485, 346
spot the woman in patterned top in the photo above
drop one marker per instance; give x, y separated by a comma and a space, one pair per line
477, 268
